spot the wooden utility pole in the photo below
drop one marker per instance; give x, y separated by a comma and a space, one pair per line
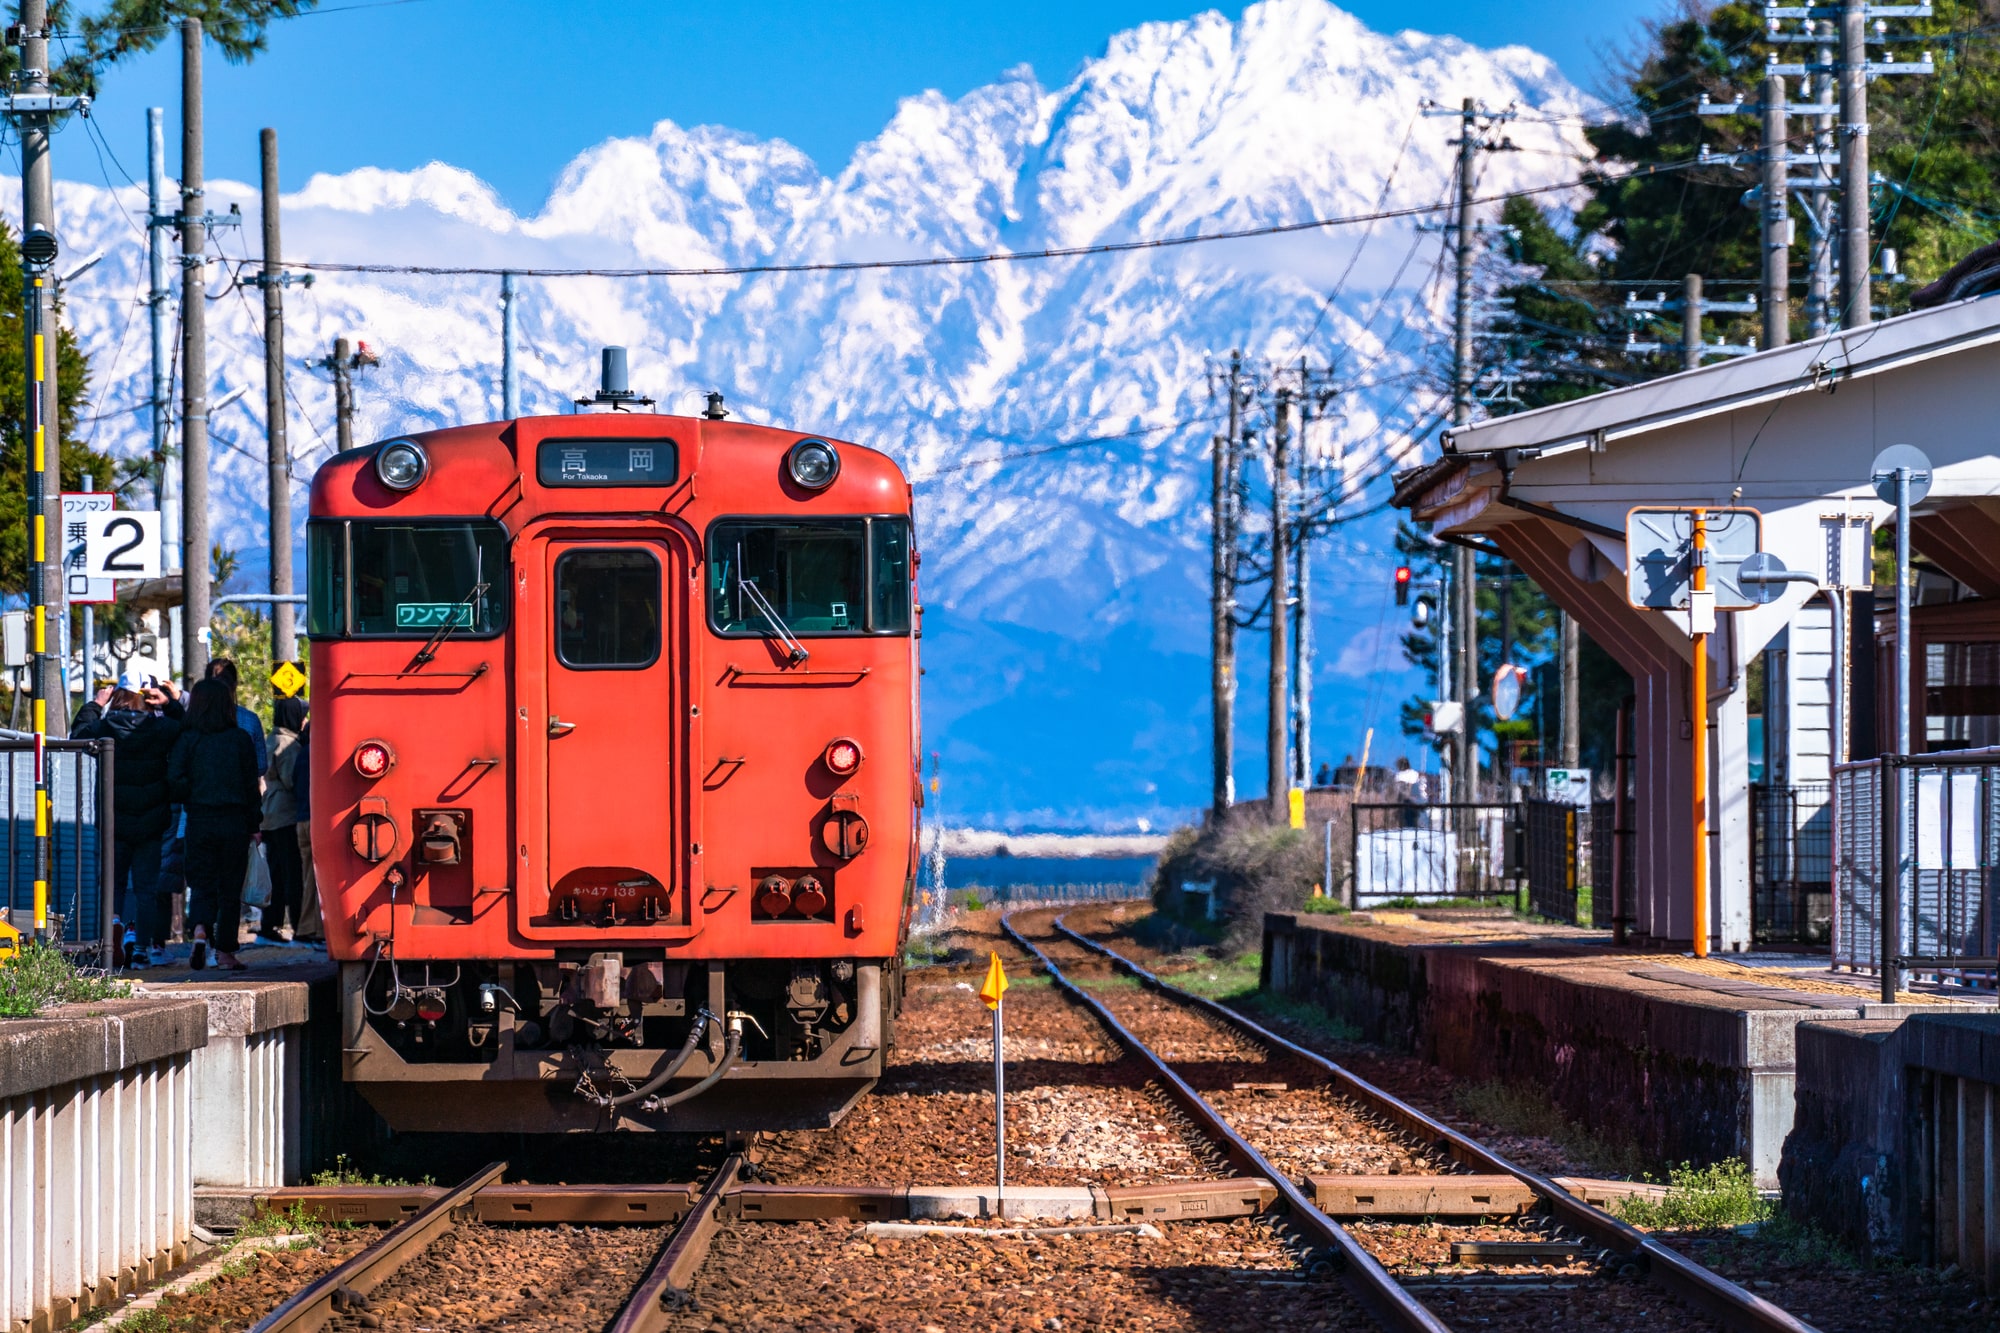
1856, 299
1278, 770
1464, 572
1775, 161
284, 639
1572, 699
1691, 316
343, 395
44, 482
195, 571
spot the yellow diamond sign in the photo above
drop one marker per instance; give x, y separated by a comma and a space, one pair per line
287, 679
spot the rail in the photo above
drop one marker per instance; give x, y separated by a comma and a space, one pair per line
1359, 1271
1735, 1307
665, 1288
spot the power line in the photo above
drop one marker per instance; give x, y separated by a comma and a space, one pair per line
1593, 180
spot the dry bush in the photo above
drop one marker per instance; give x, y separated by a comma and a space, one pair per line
1257, 864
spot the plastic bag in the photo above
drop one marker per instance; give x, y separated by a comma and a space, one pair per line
257, 879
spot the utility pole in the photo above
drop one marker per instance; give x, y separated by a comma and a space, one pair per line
284, 639
31, 109
1775, 210
510, 370
1464, 781
1278, 771
1856, 299
158, 219
1222, 603
195, 572
1691, 315
1302, 609
343, 395
1819, 203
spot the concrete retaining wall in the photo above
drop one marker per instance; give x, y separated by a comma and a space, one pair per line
111, 1113
1680, 1073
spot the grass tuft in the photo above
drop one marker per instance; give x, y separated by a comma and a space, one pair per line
1224, 979
345, 1172
1702, 1198
1325, 905
1530, 1111
44, 976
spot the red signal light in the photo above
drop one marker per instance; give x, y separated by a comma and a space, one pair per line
373, 758
1402, 585
843, 757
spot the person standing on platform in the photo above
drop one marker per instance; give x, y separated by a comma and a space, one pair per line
309, 929
213, 774
144, 720
224, 670
281, 818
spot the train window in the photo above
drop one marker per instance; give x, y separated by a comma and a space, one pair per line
818, 578
607, 608
408, 580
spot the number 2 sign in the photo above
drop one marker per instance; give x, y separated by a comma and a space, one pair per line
123, 544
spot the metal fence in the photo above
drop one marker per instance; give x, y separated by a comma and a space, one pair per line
1608, 845
1791, 863
1554, 855
1427, 853
80, 839
1916, 842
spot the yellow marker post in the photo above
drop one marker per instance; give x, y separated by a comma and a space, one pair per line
991, 992
1295, 802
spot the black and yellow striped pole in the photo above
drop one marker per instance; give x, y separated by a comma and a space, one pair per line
38, 251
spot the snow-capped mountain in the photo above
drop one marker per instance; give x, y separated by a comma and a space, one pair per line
1065, 587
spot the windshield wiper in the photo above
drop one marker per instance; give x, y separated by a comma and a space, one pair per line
782, 632
429, 651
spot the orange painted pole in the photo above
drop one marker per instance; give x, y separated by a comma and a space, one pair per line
1698, 705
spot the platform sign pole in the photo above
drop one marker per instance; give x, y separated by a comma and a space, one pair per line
996, 987
1698, 705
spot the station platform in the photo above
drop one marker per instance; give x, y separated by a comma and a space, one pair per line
1685, 1059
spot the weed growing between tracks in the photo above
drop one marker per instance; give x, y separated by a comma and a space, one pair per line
1702, 1198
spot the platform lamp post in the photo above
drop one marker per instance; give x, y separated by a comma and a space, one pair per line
1902, 477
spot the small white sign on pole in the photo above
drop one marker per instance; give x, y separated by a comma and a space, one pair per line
1571, 786
77, 509
122, 544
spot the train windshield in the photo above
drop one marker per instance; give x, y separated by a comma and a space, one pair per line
821, 578
408, 580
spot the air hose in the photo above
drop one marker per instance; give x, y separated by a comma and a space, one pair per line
681, 1057
730, 1053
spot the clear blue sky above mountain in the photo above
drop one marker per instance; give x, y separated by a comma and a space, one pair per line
512, 91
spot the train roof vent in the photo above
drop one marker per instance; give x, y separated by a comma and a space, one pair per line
614, 390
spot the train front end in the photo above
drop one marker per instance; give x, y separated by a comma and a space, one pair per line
614, 771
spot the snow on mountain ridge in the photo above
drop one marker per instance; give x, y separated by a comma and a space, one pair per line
1296, 111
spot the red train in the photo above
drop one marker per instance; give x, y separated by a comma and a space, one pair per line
614, 768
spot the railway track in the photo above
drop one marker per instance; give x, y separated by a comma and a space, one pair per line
1590, 1248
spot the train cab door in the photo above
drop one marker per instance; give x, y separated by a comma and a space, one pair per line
613, 704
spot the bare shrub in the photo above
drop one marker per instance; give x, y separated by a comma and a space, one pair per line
1256, 863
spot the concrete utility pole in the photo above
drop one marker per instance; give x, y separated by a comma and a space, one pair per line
44, 482
1222, 602
158, 219
1819, 269
1691, 315
510, 370
1302, 696
1465, 596
1856, 299
1775, 161
1278, 770
284, 638
195, 571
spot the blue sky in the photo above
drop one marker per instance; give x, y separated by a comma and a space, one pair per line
512, 91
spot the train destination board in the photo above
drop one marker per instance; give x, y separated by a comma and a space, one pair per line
607, 463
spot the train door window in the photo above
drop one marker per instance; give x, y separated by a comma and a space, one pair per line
608, 608
889, 556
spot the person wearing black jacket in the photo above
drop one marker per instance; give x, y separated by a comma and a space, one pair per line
144, 721
213, 774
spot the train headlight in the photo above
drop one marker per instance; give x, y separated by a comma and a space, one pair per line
373, 758
402, 465
843, 757
813, 464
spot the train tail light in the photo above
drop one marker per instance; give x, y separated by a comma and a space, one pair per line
774, 895
372, 759
809, 896
430, 1005
843, 757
